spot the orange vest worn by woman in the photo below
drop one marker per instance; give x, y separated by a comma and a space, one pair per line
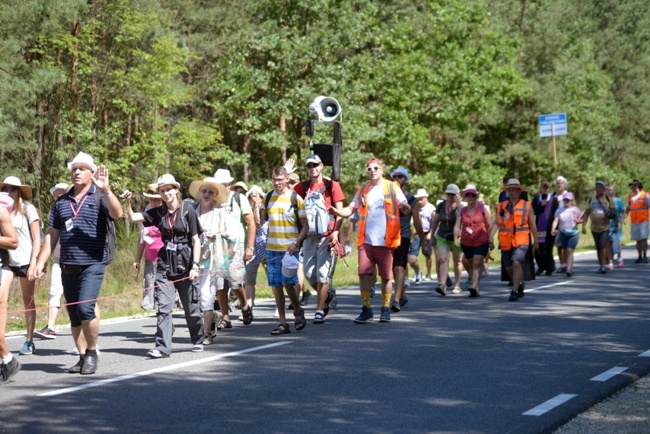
638, 207
514, 229
392, 238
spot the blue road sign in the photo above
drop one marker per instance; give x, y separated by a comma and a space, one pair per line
553, 125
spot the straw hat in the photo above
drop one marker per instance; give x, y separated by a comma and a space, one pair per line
241, 184
25, 190
222, 194
421, 193
59, 186
152, 191
514, 183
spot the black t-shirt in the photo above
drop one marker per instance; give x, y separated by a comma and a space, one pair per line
447, 222
405, 219
184, 221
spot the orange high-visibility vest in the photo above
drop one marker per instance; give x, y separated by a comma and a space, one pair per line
393, 237
514, 229
638, 208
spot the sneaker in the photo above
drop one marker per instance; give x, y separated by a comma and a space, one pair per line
27, 349
639, 261
46, 333
305, 298
319, 318
394, 306
440, 289
619, 263
156, 354
602, 270
418, 277
407, 283
385, 314
520, 291
197, 348
456, 290
365, 315
328, 300
208, 338
513, 296
560, 269
8, 370
334, 301
609, 267
428, 278
403, 301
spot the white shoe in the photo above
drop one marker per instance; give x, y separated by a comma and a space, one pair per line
418, 277
407, 283
197, 348
428, 278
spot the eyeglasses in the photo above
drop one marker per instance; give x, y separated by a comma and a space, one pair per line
9, 189
311, 165
398, 176
470, 195
278, 180
373, 168
207, 191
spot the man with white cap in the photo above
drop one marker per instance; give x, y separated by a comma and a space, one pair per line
319, 263
515, 222
81, 226
426, 211
400, 255
239, 207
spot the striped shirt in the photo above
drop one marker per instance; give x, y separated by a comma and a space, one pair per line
83, 243
283, 228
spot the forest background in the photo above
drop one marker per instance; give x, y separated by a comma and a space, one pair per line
449, 89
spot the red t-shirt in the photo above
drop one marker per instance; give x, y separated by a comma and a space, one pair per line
330, 199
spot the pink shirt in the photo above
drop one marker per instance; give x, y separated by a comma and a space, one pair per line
473, 230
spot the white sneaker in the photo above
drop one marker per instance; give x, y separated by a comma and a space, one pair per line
197, 348
428, 278
418, 277
407, 283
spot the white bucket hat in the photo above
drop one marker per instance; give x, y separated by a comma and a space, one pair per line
167, 179
12, 181
59, 186
289, 265
421, 193
83, 159
223, 176
255, 189
222, 194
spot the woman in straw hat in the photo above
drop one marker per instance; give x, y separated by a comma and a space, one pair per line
177, 264
149, 245
9, 365
21, 262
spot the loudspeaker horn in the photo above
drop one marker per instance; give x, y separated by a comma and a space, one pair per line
325, 108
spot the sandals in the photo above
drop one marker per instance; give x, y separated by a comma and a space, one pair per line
282, 329
247, 316
300, 321
224, 324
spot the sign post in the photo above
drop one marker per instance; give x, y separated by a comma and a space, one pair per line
550, 126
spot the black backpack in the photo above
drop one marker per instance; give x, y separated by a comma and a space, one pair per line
111, 235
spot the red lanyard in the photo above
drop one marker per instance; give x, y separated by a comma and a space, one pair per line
75, 213
171, 223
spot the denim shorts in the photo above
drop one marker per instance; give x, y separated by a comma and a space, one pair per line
274, 269
80, 283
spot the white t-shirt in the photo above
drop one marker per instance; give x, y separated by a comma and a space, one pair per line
376, 220
23, 253
426, 216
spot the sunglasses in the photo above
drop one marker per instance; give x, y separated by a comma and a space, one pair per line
398, 176
9, 189
207, 191
373, 168
470, 195
451, 194
311, 165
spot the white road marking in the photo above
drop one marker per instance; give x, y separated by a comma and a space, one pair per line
646, 354
609, 373
549, 405
161, 369
564, 282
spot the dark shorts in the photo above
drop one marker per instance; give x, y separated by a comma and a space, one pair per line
400, 254
81, 283
515, 254
481, 250
20, 271
600, 238
569, 241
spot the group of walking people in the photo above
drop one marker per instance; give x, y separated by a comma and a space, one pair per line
197, 251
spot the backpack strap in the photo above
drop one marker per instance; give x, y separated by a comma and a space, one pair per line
294, 205
267, 199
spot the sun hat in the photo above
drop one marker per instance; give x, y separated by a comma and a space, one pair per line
167, 179
25, 190
470, 188
6, 201
401, 171
421, 193
313, 158
83, 159
452, 189
222, 194
567, 196
59, 186
514, 183
241, 184
255, 189
563, 179
152, 191
223, 176
289, 265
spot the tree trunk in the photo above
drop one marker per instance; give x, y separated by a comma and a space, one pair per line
74, 91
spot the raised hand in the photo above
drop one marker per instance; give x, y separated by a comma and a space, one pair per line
101, 178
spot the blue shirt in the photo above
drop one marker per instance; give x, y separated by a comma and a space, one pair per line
85, 242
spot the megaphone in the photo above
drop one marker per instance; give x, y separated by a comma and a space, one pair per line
325, 108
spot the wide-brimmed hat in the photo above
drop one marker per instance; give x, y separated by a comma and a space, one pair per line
222, 194
83, 159
6, 201
401, 171
25, 190
470, 188
167, 179
152, 191
421, 193
255, 189
240, 184
452, 189
514, 183
59, 186
223, 176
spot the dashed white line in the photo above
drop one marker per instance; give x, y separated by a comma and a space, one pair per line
549, 405
609, 373
161, 369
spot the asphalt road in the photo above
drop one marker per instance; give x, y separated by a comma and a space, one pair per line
443, 364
